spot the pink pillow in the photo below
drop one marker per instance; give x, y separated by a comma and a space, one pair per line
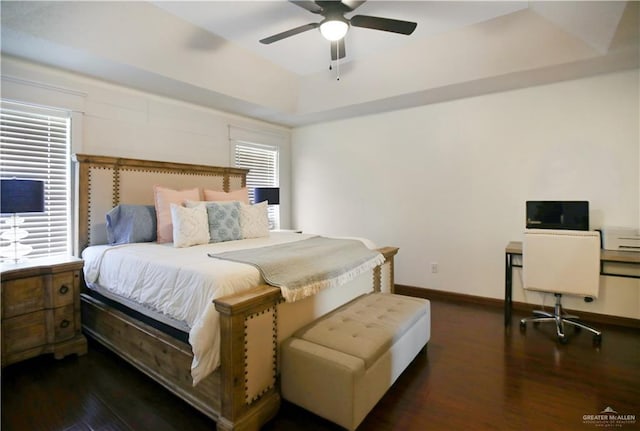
241, 195
164, 197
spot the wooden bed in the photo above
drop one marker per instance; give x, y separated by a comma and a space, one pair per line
243, 393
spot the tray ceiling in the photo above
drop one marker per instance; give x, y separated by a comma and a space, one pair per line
207, 52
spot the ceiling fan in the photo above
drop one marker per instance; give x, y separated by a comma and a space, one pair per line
334, 26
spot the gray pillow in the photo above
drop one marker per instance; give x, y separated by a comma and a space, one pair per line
131, 223
224, 221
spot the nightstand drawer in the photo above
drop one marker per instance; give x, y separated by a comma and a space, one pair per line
62, 288
63, 323
24, 332
22, 296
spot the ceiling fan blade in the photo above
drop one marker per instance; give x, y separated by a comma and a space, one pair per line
353, 4
289, 33
384, 24
337, 47
308, 5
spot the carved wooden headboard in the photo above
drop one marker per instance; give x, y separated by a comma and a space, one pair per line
103, 182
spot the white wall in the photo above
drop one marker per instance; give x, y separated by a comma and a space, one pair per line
118, 121
448, 182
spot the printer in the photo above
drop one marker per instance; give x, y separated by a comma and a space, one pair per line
621, 239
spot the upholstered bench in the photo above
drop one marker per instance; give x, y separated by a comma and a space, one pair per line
341, 365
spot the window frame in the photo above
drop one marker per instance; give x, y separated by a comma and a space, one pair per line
58, 197
273, 210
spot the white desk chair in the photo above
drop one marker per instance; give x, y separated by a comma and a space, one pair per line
561, 262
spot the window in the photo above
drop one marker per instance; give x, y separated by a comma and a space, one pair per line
262, 160
35, 144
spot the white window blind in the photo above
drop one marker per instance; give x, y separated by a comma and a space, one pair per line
35, 145
262, 162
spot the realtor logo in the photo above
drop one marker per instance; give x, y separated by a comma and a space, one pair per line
609, 418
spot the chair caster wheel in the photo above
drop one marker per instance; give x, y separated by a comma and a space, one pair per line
597, 340
523, 325
562, 339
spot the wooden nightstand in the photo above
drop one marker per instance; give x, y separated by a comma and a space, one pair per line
41, 308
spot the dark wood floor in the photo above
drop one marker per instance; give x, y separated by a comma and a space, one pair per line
475, 376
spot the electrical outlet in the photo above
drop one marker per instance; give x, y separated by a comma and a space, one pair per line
434, 267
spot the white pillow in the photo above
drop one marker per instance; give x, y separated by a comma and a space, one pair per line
254, 221
190, 225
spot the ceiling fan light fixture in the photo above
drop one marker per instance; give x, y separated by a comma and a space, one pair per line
334, 29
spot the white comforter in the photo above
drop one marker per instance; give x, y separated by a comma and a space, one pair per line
181, 283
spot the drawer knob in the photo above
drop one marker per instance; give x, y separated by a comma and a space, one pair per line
65, 323
63, 289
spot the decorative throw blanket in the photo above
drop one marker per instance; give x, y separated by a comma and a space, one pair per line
303, 268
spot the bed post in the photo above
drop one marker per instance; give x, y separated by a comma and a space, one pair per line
388, 253
249, 392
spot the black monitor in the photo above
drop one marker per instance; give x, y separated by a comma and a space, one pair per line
570, 215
